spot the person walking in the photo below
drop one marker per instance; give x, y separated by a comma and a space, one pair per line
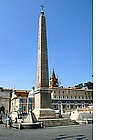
8, 122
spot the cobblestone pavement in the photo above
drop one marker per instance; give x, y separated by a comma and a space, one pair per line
71, 132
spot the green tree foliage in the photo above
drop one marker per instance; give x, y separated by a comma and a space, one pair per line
89, 85
79, 85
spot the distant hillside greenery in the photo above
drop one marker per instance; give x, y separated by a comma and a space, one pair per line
89, 85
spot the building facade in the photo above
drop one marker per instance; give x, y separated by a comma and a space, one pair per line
66, 98
69, 98
5, 100
62, 98
22, 101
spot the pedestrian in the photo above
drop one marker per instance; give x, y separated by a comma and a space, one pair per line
1, 118
16, 120
70, 113
22, 119
60, 116
8, 122
11, 122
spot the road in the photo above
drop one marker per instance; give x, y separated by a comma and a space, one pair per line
71, 132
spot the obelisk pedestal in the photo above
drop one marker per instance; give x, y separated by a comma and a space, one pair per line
43, 102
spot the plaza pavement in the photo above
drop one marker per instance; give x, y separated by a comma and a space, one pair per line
71, 132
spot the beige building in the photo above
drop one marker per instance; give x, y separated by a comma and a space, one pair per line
69, 98
5, 100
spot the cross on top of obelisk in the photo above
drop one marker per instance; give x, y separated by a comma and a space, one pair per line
42, 7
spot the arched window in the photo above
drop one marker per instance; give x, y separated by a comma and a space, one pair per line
2, 109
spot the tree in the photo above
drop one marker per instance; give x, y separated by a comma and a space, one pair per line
89, 85
79, 85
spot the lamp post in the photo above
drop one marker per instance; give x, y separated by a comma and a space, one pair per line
70, 108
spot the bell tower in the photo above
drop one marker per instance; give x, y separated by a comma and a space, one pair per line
54, 80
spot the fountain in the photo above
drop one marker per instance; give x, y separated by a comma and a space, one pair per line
29, 122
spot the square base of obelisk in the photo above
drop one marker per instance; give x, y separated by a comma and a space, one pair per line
44, 113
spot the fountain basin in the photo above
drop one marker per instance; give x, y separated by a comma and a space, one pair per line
31, 125
27, 125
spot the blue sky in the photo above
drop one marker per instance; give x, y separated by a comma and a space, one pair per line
69, 35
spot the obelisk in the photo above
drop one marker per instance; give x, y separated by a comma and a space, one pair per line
43, 102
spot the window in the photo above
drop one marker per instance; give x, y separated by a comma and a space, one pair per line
24, 108
21, 100
55, 96
58, 92
29, 107
30, 100
54, 92
24, 100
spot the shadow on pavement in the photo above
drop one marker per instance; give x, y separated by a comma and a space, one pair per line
76, 137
